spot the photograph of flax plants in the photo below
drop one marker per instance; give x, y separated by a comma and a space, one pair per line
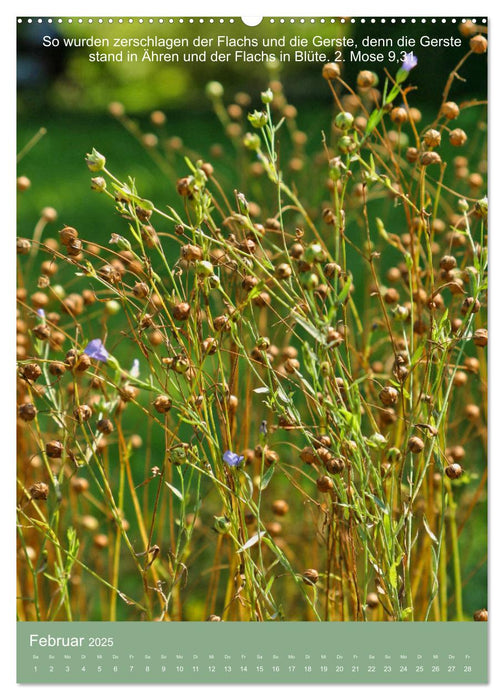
251, 337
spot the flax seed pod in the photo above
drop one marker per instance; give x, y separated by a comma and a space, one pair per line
82, 413
432, 138
105, 426
454, 471
83, 363
389, 396
310, 576
308, 455
162, 403
181, 311
57, 369
54, 449
68, 234
140, 290
415, 444
480, 337
458, 137
325, 484
472, 412
481, 615
450, 110
27, 412
331, 71
39, 491
31, 371
280, 507
478, 44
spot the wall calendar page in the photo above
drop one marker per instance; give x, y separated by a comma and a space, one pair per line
251, 339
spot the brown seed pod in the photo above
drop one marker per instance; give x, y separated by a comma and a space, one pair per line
270, 457
470, 305
283, 271
432, 138
184, 186
105, 426
325, 484
27, 412
481, 615
274, 529
249, 282
23, 246
478, 43
214, 618
411, 154
128, 392
31, 371
430, 158
280, 507
450, 110
307, 455
162, 403
191, 252
447, 262
263, 299
296, 251
472, 364
39, 491
156, 337
391, 296
141, 290
389, 396
415, 444
80, 484
74, 247
82, 363
310, 576
453, 471
372, 600
455, 453
366, 79
291, 365
459, 378
54, 449
458, 137
100, 541
480, 337
210, 346
472, 412
336, 465
221, 323
399, 115
57, 369
331, 71
23, 183
181, 311
68, 234
82, 413
328, 216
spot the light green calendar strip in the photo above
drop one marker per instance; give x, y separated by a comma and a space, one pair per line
236, 652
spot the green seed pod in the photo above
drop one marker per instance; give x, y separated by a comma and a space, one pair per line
344, 121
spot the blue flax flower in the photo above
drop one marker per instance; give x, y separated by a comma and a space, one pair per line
232, 459
409, 62
96, 350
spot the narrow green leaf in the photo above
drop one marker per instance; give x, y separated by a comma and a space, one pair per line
373, 121
175, 491
252, 541
429, 531
392, 576
267, 477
